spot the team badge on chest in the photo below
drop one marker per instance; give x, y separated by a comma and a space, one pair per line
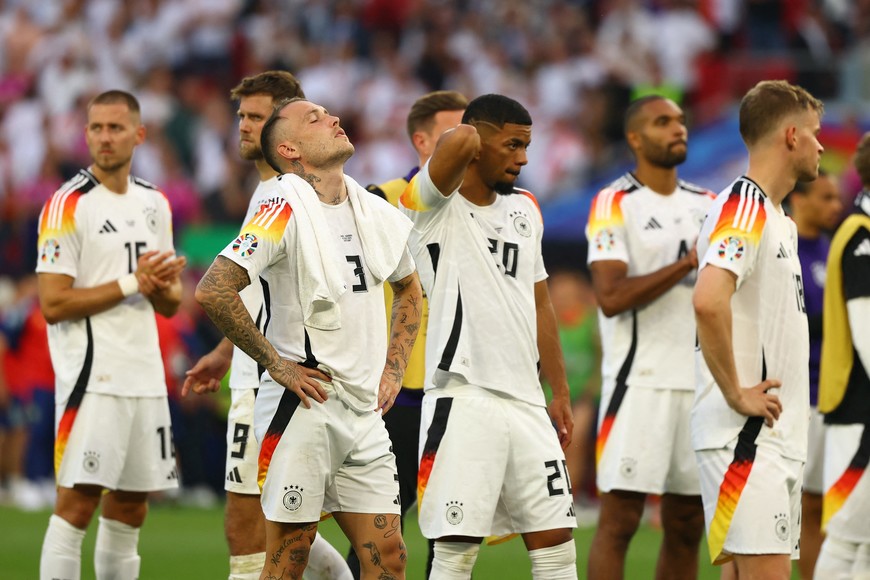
521, 223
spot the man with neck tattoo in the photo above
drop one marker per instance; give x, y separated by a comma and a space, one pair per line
322, 248
477, 242
243, 522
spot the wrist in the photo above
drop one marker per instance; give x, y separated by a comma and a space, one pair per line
129, 285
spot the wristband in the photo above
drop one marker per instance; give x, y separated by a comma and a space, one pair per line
129, 285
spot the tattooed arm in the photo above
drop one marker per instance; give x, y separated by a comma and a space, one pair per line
405, 322
218, 294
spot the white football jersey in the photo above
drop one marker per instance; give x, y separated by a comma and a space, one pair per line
96, 236
244, 373
354, 355
747, 235
651, 346
478, 266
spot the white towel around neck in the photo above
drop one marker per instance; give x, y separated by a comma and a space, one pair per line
383, 232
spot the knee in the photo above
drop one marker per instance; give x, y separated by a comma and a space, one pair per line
687, 527
620, 525
390, 556
76, 508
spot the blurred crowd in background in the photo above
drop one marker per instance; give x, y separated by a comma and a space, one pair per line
574, 63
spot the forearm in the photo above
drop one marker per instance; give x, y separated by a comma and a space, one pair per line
218, 294
60, 301
714, 337
404, 325
635, 291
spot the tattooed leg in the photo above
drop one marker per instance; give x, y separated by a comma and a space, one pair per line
287, 547
377, 540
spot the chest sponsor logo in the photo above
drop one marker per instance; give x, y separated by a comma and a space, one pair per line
246, 244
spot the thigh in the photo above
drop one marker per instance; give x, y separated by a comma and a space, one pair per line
462, 466
536, 494
242, 448
150, 464
91, 441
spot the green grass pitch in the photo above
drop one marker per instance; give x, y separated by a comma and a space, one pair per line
187, 543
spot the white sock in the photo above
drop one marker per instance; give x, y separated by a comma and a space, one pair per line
115, 556
325, 563
247, 566
61, 557
836, 559
454, 560
555, 563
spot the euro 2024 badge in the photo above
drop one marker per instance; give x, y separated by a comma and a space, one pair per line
245, 244
731, 248
50, 251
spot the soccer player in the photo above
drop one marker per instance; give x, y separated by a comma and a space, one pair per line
751, 412
844, 390
106, 265
815, 208
492, 460
323, 247
642, 231
429, 117
243, 522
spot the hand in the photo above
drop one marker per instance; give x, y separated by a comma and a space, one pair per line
757, 402
563, 419
155, 271
692, 257
388, 391
206, 374
301, 380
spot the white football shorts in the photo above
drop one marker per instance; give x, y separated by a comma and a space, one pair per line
846, 504
644, 444
242, 448
752, 500
490, 466
120, 443
329, 458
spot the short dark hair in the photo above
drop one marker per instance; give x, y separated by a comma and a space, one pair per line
278, 84
423, 111
496, 109
768, 103
270, 134
634, 108
862, 159
116, 97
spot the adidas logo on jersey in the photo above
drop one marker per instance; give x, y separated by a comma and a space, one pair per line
108, 228
234, 475
782, 253
652, 224
863, 248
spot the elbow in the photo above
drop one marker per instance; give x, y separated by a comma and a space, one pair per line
51, 314
610, 308
704, 308
200, 294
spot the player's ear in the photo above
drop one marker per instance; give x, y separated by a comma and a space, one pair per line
790, 135
288, 150
140, 134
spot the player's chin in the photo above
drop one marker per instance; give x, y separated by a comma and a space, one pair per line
504, 187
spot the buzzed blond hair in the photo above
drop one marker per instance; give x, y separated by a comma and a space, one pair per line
766, 104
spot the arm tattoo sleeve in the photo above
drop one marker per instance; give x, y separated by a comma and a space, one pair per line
218, 293
405, 322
